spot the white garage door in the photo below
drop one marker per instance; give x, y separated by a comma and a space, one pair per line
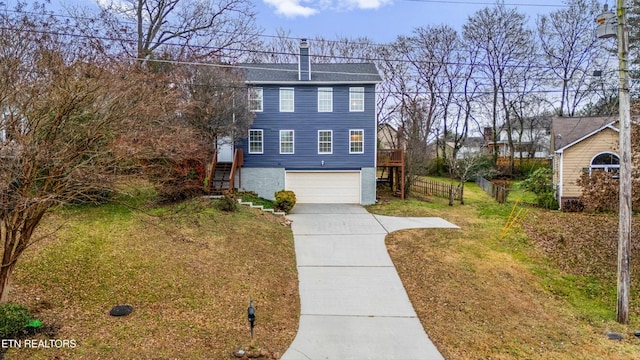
324, 187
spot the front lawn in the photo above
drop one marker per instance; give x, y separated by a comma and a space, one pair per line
545, 290
189, 271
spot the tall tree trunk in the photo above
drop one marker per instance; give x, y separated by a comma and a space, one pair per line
16, 231
495, 124
10, 244
6, 273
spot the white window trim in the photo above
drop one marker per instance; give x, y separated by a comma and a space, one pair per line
293, 97
351, 141
325, 91
352, 92
293, 142
330, 143
607, 167
261, 141
261, 98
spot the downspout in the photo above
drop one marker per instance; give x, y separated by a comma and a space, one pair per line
560, 178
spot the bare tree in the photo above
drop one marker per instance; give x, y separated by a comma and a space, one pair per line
181, 29
280, 49
531, 116
572, 52
432, 53
217, 103
466, 168
284, 48
209, 104
505, 51
414, 87
62, 105
390, 96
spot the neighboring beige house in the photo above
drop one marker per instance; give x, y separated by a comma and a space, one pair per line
582, 145
388, 137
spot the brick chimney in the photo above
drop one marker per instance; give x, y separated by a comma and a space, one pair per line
304, 62
488, 134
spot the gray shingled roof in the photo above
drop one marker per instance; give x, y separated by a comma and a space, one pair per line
567, 130
364, 73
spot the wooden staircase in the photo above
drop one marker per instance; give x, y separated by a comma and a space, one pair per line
222, 174
221, 177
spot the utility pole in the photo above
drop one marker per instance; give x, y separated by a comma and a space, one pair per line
624, 223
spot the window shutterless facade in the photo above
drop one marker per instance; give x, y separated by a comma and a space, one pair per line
286, 100
287, 142
255, 99
356, 99
325, 99
325, 142
356, 141
256, 141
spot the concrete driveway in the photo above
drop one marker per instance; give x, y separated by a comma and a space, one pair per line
353, 304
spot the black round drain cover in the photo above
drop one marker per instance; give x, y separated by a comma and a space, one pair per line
121, 310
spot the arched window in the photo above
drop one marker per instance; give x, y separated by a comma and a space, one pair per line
606, 161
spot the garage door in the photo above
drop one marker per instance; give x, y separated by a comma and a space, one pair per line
324, 187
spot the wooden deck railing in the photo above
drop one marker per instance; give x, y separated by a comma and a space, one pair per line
391, 157
211, 170
238, 161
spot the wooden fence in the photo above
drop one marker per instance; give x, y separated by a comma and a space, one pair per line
496, 191
434, 188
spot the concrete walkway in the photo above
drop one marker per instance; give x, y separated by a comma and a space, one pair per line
353, 304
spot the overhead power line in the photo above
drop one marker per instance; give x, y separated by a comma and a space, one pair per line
285, 53
271, 36
462, 2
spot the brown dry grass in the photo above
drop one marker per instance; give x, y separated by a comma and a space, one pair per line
542, 292
188, 270
482, 297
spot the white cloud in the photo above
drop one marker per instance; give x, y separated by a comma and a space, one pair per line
294, 8
367, 4
291, 8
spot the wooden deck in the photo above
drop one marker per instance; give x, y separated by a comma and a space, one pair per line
391, 157
393, 160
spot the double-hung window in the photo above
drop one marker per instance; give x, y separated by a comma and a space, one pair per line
255, 99
325, 142
286, 100
286, 142
356, 141
256, 141
325, 99
356, 99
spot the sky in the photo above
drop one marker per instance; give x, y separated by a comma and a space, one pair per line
380, 20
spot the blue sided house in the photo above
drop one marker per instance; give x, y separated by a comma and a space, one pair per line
314, 131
